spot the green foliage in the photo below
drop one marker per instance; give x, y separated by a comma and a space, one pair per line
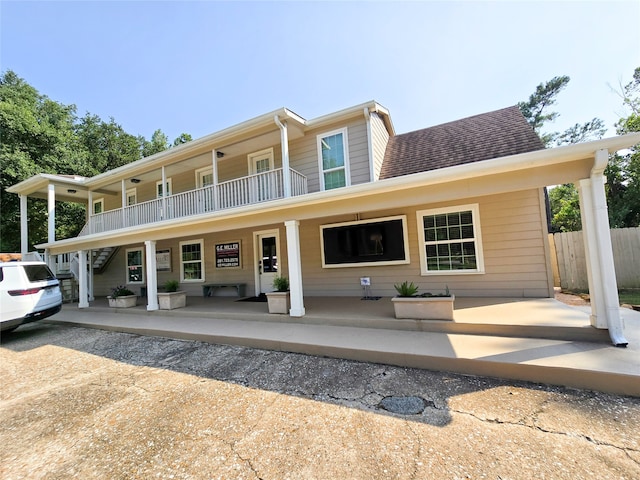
120, 291
565, 208
536, 111
159, 143
171, 286
183, 138
40, 135
623, 171
281, 284
406, 289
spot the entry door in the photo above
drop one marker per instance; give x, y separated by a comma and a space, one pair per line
261, 162
267, 261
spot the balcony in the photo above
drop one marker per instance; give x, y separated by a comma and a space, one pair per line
250, 190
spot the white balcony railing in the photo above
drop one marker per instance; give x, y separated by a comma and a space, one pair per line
249, 190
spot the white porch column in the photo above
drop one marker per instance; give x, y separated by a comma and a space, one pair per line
24, 226
51, 212
83, 301
164, 194
90, 210
295, 268
603, 286
152, 276
124, 203
286, 168
90, 282
214, 171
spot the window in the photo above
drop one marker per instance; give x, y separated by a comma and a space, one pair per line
135, 265
192, 261
204, 177
132, 197
450, 240
333, 160
98, 206
380, 241
159, 190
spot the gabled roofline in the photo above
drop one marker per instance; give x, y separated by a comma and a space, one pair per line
212, 141
496, 166
32, 184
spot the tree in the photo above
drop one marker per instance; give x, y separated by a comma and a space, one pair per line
159, 143
565, 208
535, 110
37, 137
564, 203
623, 171
183, 138
40, 135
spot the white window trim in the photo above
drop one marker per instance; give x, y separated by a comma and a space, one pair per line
131, 192
405, 235
126, 259
345, 144
191, 242
252, 157
168, 191
477, 232
201, 172
99, 201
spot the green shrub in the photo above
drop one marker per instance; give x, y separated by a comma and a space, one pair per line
281, 284
406, 289
120, 291
171, 286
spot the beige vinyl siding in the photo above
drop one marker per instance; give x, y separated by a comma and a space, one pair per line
513, 236
303, 153
513, 244
115, 273
380, 139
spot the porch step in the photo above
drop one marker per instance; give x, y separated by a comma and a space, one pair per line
568, 363
583, 333
69, 288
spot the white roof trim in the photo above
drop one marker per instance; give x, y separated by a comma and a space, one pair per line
535, 159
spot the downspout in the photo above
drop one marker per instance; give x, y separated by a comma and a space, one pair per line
367, 117
605, 249
286, 170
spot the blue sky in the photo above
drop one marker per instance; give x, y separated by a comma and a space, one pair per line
199, 67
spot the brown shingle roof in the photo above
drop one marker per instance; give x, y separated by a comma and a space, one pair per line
481, 137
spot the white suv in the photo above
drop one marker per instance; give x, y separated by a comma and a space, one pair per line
29, 291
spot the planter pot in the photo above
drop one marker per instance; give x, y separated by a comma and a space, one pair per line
279, 302
171, 300
424, 308
126, 301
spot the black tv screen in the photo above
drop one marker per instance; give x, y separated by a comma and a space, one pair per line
381, 241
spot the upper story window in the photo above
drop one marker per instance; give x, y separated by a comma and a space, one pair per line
450, 240
166, 192
333, 159
132, 197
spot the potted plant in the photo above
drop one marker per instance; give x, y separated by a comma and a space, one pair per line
279, 301
172, 297
427, 306
122, 297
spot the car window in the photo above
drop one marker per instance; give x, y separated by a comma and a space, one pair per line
37, 273
1, 274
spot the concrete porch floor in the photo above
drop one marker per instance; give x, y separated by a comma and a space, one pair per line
538, 340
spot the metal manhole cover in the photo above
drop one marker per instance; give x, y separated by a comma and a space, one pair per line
404, 405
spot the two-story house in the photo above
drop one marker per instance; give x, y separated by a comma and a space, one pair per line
330, 201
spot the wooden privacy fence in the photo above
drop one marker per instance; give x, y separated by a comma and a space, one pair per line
570, 266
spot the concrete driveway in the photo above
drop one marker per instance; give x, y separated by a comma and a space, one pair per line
84, 403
